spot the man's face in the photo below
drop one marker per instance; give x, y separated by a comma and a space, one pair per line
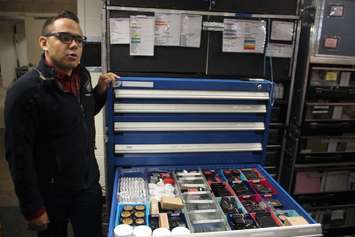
65, 55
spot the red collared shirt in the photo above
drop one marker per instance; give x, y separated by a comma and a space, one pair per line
69, 83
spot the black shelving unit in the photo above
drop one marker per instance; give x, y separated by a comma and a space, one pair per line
319, 165
332, 209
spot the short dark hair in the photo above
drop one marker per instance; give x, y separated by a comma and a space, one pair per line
63, 14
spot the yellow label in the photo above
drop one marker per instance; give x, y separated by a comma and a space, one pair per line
331, 76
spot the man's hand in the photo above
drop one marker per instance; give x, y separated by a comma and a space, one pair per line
104, 81
40, 223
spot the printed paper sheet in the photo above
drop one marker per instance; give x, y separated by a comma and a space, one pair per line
244, 36
141, 36
119, 28
282, 30
167, 29
191, 26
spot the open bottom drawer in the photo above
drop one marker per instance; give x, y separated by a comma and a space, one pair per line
204, 214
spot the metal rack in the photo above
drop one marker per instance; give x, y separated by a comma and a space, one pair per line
318, 147
269, 65
244, 118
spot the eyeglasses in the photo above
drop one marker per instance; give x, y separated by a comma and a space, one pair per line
67, 38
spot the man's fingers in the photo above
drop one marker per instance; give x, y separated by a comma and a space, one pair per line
109, 80
114, 75
111, 75
40, 223
108, 77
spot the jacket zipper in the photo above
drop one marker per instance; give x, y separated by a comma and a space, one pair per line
87, 135
78, 99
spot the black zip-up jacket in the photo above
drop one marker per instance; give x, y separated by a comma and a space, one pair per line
50, 136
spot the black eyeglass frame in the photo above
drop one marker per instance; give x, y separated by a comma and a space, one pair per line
80, 40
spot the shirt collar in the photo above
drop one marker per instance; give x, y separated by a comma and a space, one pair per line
58, 73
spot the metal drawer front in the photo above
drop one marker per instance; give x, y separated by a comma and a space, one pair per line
187, 126
191, 94
187, 108
178, 148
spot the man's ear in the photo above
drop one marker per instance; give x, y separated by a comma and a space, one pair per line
43, 43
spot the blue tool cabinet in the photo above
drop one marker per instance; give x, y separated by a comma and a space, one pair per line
172, 124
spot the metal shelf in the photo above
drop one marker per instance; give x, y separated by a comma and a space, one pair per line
314, 161
328, 197
325, 68
273, 146
330, 103
339, 231
337, 60
277, 124
302, 152
206, 13
338, 206
328, 120
323, 165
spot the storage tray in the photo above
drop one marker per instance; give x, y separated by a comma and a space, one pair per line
204, 214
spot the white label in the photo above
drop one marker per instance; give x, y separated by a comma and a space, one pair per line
321, 107
344, 79
191, 178
337, 215
194, 185
144, 84
320, 111
337, 112
213, 26
332, 146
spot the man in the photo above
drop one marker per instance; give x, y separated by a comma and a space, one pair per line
50, 135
